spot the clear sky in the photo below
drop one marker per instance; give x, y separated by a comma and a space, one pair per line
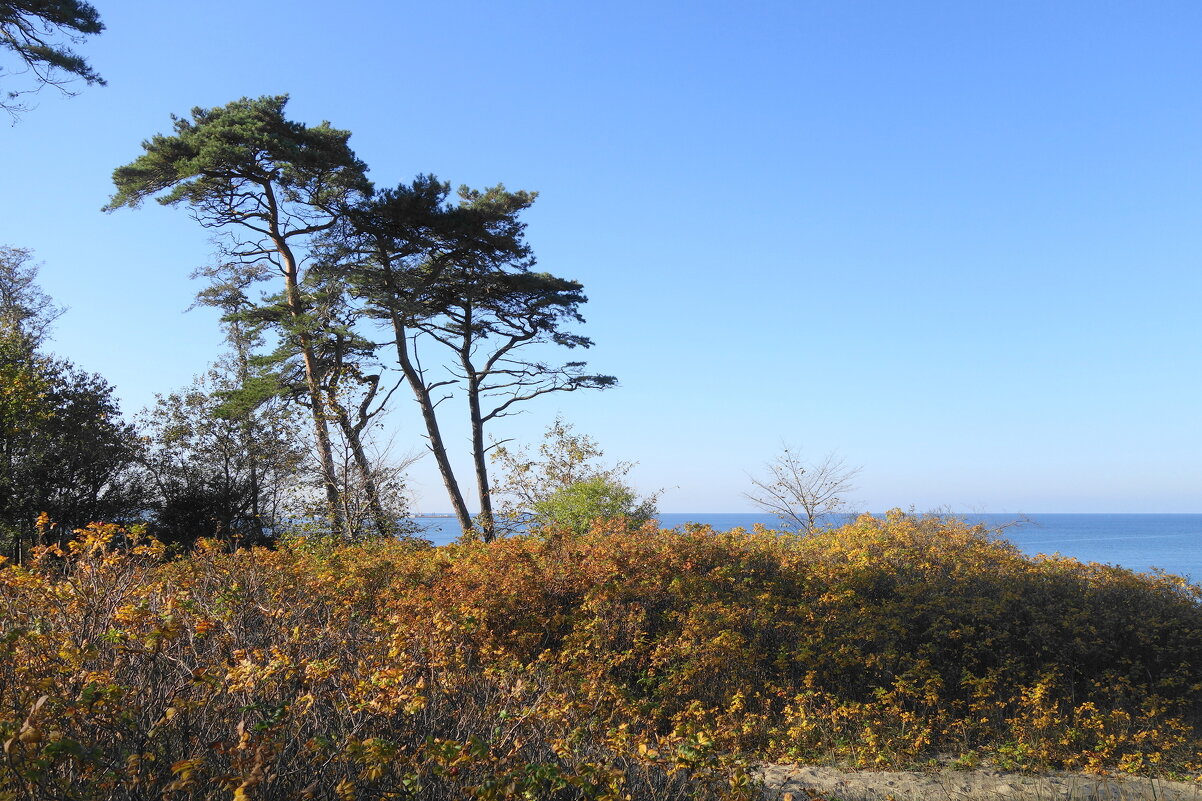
959, 243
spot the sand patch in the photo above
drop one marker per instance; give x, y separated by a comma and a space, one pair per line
801, 783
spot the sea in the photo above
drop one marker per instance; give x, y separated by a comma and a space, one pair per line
1142, 542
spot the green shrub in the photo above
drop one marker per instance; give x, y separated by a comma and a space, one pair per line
577, 506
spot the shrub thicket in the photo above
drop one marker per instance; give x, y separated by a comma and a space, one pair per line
581, 666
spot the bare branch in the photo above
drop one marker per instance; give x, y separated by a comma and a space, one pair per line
803, 494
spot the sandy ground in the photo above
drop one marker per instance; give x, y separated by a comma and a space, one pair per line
799, 783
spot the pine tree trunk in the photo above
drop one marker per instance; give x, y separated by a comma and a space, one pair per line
487, 524
422, 393
433, 434
321, 430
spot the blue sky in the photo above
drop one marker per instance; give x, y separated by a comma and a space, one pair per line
958, 243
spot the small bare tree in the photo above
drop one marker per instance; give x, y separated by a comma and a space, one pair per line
802, 493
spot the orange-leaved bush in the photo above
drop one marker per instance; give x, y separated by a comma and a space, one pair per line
615, 662
307, 672
881, 642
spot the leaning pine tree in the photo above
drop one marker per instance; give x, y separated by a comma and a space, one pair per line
270, 185
460, 276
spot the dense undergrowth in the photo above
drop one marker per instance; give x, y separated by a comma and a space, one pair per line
611, 665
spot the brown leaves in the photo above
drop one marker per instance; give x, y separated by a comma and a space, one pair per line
594, 666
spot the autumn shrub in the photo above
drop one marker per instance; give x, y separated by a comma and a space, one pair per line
886, 641
306, 672
607, 664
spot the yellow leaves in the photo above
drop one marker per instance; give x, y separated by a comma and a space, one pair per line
303, 704
207, 546
130, 613
94, 538
184, 768
30, 732
345, 790
185, 775
876, 644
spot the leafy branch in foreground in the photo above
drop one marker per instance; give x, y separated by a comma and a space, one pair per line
34, 32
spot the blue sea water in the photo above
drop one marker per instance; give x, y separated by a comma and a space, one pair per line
1172, 542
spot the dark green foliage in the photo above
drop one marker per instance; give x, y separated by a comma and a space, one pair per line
26, 312
64, 450
34, 31
268, 184
218, 470
457, 274
461, 276
244, 163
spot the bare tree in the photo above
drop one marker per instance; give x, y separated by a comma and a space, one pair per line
26, 312
373, 487
802, 494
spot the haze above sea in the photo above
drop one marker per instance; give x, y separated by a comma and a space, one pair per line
1171, 542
